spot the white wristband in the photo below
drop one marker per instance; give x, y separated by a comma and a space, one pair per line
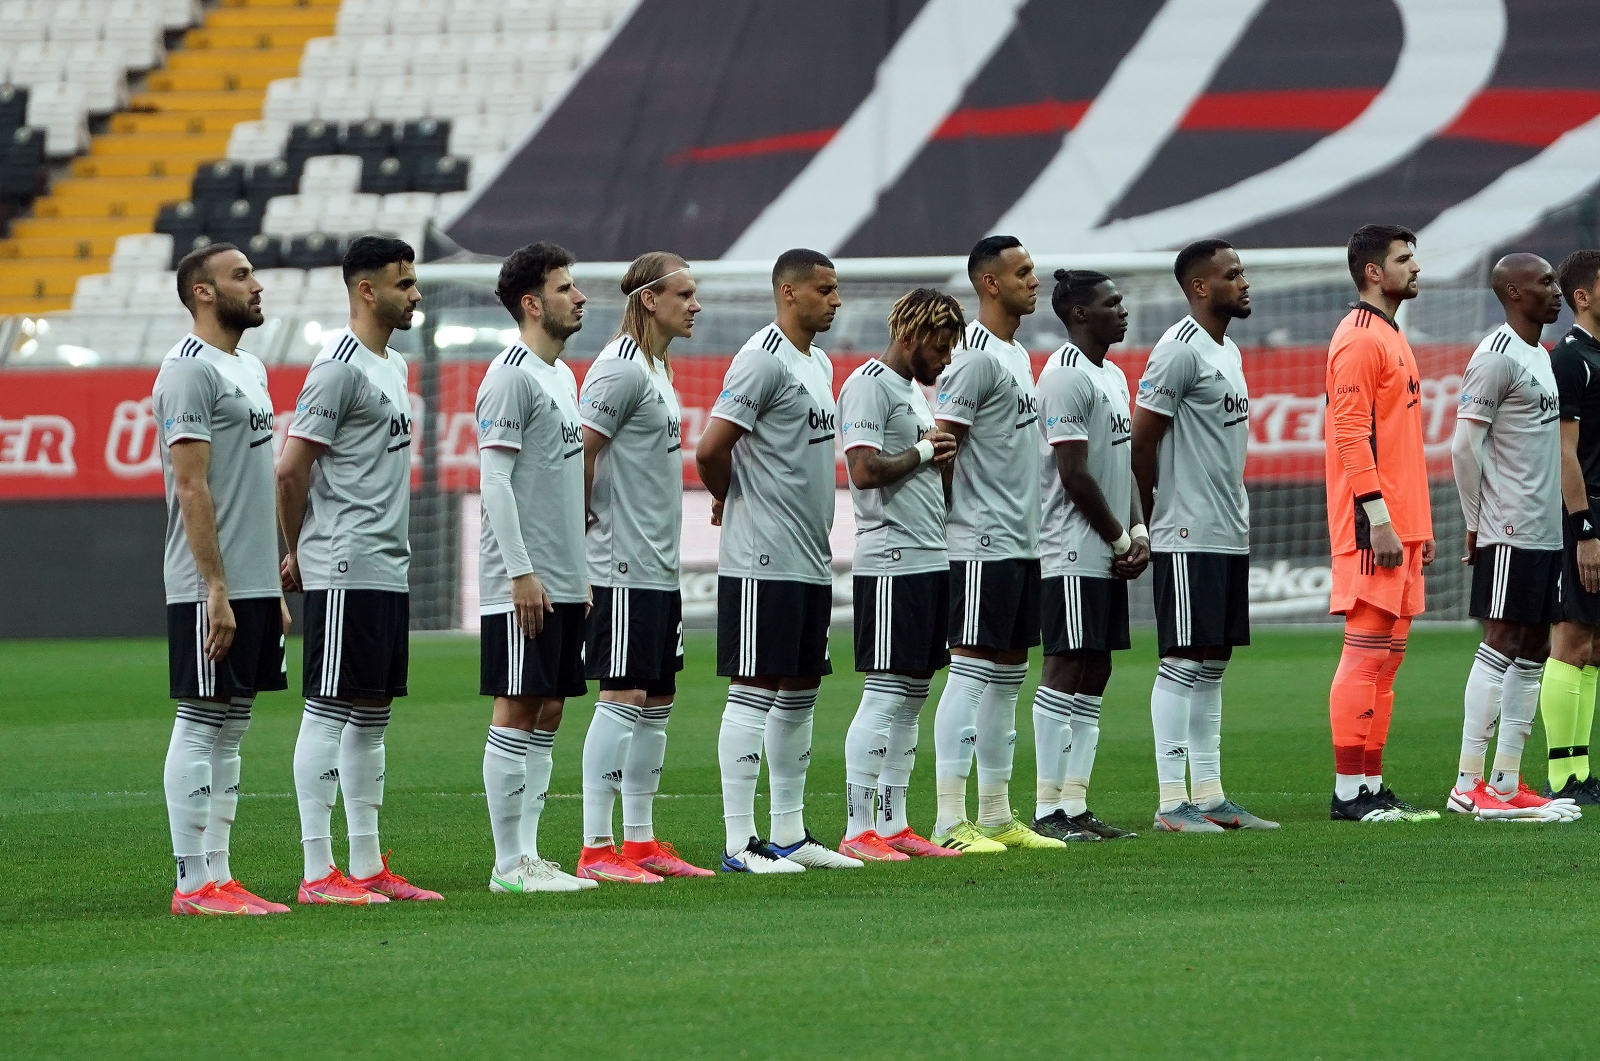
1377, 511
924, 450
1139, 531
1121, 546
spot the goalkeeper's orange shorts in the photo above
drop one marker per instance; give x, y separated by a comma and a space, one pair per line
1396, 590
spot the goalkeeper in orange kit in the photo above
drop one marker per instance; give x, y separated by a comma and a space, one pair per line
1378, 517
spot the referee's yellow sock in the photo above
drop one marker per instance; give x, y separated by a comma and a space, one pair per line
1559, 697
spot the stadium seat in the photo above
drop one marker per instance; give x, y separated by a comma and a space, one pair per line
324, 289
446, 174
141, 252
219, 183
478, 134
13, 107
21, 166
329, 57
306, 139
482, 168
310, 251
331, 175
76, 20
421, 138
363, 18
346, 99
291, 215
350, 215
387, 177
372, 140
24, 31
101, 70
384, 57
264, 251
234, 222
414, 24
280, 288
59, 110
457, 97
44, 64
522, 94
95, 293
269, 179
158, 291
436, 57
409, 98
259, 141
495, 57
292, 99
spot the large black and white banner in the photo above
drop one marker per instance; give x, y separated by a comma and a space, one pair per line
738, 128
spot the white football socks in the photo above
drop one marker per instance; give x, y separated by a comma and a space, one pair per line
866, 747
1052, 740
1080, 757
955, 735
1205, 735
316, 780
894, 779
605, 751
187, 781
744, 726
1519, 702
1169, 719
225, 769
788, 743
1481, 706
541, 761
997, 742
641, 774
361, 769
505, 781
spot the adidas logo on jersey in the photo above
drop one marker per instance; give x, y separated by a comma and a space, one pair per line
383, 399
238, 393
553, 407
1218, 375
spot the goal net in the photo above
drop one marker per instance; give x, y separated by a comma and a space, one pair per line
1298, 296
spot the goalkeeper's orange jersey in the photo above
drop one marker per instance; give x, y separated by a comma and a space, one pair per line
1374, 431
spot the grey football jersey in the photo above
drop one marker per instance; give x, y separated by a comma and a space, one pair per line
637, 496
531, 407
209, 395
1080, 401
1200, 503
1510, 386
899, 527
779, 509
994, 493
356, 534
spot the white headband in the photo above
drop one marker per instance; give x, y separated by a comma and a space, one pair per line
657, 280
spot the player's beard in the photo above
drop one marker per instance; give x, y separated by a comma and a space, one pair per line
561, 331
237, 315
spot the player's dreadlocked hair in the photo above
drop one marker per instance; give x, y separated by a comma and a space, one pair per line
921, 314
1074, 287
645, 274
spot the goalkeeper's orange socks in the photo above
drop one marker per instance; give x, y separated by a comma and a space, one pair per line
1353, 697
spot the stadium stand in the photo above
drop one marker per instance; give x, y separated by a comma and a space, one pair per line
388, 123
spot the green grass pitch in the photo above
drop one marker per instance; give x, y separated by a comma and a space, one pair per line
1324, 940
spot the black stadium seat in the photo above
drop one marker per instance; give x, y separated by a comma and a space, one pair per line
217, 183
372, 141
21, 166
386, 177
311, 252
234, 222
269, 179
308, 139
446, 174
421, 138
264, 252
183, 223
13, 107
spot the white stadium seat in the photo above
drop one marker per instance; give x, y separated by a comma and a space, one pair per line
328, 57
449, 204
141, 251
346, 100
457, 97
42, 64
477, 134
292, 215
258, 141
418, 23
407, 99
331, 175
521, 94
157, 292
496, 56
59, 110
364, 18
351, 214
325, 287
140, 36
101, 71
483, 167
436, 57
280, 288
384, 57
292, 99
24, 31
95, 293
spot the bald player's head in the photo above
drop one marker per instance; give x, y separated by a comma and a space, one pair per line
1526, 286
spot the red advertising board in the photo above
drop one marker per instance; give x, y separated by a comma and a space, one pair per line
90, 433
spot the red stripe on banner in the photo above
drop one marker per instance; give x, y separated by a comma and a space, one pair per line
1533, 117
90, 432
1529, 117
